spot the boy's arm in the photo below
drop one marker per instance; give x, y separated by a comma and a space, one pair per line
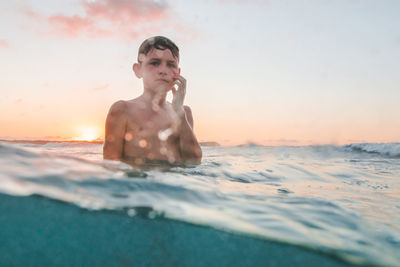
188, 144
189, 147
115, 132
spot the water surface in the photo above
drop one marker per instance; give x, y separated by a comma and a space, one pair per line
339, 200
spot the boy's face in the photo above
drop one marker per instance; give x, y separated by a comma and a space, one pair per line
158, 69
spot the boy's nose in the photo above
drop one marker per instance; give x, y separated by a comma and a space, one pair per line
162, 70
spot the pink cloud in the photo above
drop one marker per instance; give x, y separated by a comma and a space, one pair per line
4, 43
126, 11
258, 2
70, 26
102, 18
27, 11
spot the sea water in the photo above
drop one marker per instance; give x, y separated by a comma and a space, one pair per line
339, 201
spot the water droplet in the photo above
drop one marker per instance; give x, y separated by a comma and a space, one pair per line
163, 135
152, 214
163, 151
131, 212
128, 137
142, 143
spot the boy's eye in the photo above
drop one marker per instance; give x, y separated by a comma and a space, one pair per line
155, 63
171, 65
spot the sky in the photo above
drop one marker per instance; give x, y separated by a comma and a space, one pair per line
262, 71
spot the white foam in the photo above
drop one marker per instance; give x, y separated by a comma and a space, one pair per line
385, 149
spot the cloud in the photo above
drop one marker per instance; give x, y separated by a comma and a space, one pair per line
257, 2
70, 26
126, 11
104, 18
4, 43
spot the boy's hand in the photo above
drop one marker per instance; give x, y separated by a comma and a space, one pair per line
179, 95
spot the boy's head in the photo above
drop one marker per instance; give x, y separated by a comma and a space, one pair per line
157, 42
158, 61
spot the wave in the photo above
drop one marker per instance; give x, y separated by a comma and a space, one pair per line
285, 194
51, 142
69, 144
384, 149
250, 144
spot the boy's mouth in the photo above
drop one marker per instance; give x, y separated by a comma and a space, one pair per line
163, 80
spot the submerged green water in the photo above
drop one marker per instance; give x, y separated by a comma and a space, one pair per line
37, 231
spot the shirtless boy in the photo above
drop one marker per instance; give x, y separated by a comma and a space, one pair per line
148, 128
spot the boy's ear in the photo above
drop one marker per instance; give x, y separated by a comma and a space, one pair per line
137, 70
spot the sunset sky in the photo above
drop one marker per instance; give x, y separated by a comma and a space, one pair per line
270, 72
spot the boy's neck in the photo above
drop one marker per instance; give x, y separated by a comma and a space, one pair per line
154, 98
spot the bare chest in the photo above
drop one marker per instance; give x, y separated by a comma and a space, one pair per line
152, 136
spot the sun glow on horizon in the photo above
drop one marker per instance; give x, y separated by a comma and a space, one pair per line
88, 133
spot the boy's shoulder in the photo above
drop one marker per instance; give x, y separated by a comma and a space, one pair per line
118, 109
123, 106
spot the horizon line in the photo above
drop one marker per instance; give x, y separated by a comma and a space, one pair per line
203, 143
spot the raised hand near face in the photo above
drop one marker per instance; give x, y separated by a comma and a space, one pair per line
179, 94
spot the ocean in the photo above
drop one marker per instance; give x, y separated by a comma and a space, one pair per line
61, 204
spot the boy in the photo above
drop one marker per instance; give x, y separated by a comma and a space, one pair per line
148, 128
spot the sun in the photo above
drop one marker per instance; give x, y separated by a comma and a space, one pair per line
88, 133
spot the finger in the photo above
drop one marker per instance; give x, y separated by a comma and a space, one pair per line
183, 84
178, 83
182, 80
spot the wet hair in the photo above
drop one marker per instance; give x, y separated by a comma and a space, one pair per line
158, 42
